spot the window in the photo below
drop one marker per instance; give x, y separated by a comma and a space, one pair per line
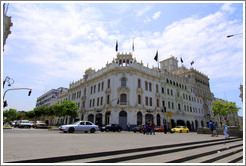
146, 101
167, 81
90, 103
94, 88
168, 91
101, 100
169, 105
139, 83
102, 86
91, 89
172, 105
93, 104
150, 101
171, 92
108, 83
185, 107
179, 106
123, 99
123, 82
98, 101
157, 102
139, 99
146, 85
99, 87
157, 88
108, 98
150, 87
163, 103
162, 90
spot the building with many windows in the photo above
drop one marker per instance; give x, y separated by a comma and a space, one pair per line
49, 98
126, 91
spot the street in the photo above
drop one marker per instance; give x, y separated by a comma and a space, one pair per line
28, 144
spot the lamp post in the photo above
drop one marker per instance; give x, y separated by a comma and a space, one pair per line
9, 80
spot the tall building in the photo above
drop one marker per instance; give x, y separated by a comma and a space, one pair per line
126, 91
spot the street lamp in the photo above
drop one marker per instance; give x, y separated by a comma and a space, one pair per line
234, 35
9, 80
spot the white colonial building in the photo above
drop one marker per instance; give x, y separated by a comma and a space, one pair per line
126, 91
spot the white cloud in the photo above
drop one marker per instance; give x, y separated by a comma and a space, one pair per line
143, 11
156, 15
228, 7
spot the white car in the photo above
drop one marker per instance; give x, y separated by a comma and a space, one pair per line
79, 126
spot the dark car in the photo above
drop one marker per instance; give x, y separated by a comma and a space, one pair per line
137, 129
111, 127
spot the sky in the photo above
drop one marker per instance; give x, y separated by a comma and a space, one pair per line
52, 44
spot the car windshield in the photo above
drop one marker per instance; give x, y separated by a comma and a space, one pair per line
76, 123
25, 121
40, 122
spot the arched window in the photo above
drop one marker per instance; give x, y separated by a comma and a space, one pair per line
123, 99
123, 82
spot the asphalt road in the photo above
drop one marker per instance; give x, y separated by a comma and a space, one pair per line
24, 144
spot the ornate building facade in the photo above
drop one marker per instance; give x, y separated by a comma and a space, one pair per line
125, 91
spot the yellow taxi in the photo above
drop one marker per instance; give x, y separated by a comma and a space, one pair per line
180, 129
40, 124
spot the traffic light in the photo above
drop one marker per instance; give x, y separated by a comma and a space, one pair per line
29, 93
5, 104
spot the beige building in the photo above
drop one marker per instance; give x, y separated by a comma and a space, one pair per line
126, 91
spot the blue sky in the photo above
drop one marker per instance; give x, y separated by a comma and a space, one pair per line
52, 44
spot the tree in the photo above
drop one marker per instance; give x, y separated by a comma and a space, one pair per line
10, 115
66, 108
224, 108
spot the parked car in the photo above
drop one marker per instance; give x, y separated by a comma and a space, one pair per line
40, 124
180, 129
111, 127
79, 126
24, 124
137, 129
32, 123
159, 128
13, 123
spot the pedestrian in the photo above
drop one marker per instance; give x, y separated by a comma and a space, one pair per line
211, 126
128, 126
152, 128
147, 128
143, 129
215, 129
225, 130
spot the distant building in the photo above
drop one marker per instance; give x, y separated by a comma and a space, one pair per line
6, 23
50, 97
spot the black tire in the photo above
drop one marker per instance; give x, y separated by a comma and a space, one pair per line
64, 131
92, 130
180, 131
71, 130
187, 131
119, 130
134, 131
107, 130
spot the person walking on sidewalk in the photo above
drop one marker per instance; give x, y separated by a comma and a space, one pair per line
215, 129
225, 127
211, 126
